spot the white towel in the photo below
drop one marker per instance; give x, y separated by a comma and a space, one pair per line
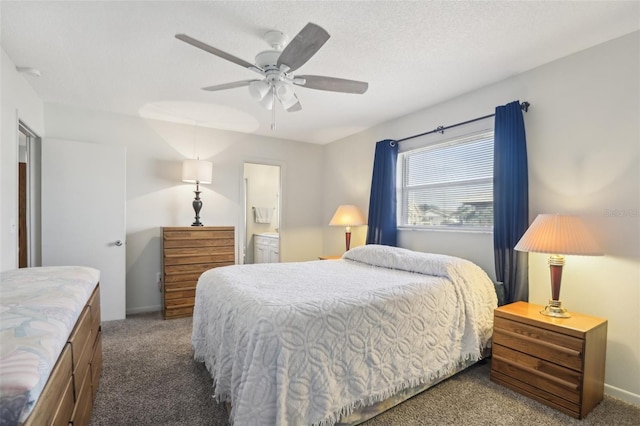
262, 214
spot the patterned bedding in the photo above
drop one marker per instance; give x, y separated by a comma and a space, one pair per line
38, 310
308, 343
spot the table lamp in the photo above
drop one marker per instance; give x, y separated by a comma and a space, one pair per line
558, 235
197, 171
348, 216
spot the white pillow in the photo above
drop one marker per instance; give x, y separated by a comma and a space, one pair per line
403, 259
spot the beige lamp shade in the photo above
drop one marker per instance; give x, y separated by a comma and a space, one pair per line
347, 215
197, 171
558, 234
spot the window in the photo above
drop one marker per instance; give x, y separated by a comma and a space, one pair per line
448, 185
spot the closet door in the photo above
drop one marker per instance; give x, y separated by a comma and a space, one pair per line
83, 214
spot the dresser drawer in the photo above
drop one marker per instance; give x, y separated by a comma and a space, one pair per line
198, 268
533, 392
195, 234
94, 307
179, 302
171, 294
55, 404
555, 347
180, 278
187, 259
81, 341
179, 286
95, 367
551, 378
181, 312
65, 409
198, 243
84, 402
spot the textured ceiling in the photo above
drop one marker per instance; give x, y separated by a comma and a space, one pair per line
121, 56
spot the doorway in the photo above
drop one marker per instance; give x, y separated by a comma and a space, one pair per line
262, 205
29, 234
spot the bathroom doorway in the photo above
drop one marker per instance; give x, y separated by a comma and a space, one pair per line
262, 204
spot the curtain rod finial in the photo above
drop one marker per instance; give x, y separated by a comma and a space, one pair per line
525, 106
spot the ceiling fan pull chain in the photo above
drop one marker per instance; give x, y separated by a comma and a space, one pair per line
273, 108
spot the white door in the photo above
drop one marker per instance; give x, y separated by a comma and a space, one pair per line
83, 214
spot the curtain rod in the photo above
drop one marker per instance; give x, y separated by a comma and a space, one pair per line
440, 129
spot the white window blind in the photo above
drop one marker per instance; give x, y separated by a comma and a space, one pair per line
449, 184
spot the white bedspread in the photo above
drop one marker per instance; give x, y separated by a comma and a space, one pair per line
305, 343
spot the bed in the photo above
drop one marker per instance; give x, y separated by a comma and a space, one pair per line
50, 352
326, 342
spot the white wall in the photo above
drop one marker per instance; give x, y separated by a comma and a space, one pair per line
583, 142
156, 197
19, 102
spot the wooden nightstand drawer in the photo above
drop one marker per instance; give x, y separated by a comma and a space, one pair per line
554, 379
556, 347
533, 392
556, 361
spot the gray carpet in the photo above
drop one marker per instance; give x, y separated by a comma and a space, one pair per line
149, 377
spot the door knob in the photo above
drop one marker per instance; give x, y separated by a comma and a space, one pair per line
118, 243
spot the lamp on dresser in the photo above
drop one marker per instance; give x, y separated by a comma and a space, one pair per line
347, 215
198, 172
558, 235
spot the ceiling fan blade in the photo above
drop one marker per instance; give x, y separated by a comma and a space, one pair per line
332, 84
295, 107
219, 53
303, 46
228, 85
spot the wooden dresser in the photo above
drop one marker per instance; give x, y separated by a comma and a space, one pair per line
187, 252
67, 397
559, 362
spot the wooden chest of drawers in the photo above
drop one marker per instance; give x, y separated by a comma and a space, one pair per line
556, 361
186, 253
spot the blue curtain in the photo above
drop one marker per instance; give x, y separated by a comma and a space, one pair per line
510, 201
382, 203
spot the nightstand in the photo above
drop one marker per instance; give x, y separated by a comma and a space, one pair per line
330, 257
558, 362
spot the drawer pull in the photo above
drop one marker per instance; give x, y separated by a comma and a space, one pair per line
547, 376
559, 348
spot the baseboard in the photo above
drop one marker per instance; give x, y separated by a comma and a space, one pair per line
622, 394
144, 309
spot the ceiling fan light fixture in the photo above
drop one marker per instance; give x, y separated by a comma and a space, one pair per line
289, 102
267, 101
284, 91
258, 89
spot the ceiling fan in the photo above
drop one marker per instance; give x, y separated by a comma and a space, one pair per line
277, 66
